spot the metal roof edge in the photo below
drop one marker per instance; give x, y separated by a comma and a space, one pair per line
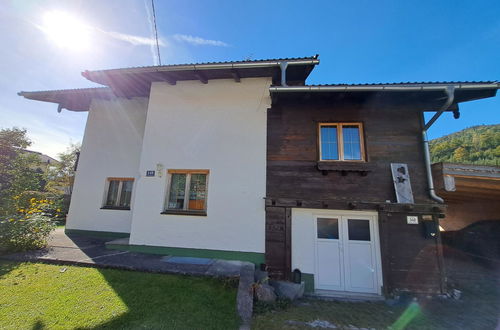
427, 86
66, 91
313, 60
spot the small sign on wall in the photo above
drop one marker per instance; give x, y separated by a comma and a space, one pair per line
412, 220
150, 173
402, 184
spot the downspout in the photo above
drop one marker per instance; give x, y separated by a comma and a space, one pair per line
450, 93
283, 66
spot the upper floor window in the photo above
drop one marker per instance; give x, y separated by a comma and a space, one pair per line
187, 192
341, 142
119, 193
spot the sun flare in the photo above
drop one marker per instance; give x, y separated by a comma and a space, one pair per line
66, 31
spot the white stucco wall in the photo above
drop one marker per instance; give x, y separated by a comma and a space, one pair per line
219, 126
111, 147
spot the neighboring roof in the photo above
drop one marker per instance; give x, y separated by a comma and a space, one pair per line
43, 157
464, 90
137, 80
71, 99
464, 181
469, 170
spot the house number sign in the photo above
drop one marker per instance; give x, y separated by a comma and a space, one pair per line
412, 220
150, 173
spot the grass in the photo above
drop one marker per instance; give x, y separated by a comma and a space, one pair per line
38, 296
479, 308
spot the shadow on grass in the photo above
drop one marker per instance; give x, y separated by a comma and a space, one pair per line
72, 297
39, 325
7, 267
156, 301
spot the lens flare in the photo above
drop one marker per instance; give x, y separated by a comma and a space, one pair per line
66, 31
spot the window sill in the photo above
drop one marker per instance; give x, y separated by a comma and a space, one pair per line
361, 167
121, 208
185, 212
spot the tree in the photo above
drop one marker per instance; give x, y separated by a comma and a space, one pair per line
60, 177
17, 170
474, 145
460, 154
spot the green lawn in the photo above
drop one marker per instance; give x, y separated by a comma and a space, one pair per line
479, 308
38, 296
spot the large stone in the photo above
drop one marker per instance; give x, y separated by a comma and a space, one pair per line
265, 292
261, 276
244, 297
288, 290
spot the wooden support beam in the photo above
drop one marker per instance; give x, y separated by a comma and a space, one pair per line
201, 77
343, 204
162, 76
236, 75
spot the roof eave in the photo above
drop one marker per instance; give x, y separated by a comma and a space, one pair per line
382, 88
70, 99
102, 76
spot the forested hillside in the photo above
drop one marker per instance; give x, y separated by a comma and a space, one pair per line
474, 145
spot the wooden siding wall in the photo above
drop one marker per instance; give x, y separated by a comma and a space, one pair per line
410, 262
392, 134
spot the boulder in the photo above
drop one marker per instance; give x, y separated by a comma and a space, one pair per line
261, 276
265, 292
288, 290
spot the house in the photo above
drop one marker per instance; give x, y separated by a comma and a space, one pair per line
44, 161
243, 160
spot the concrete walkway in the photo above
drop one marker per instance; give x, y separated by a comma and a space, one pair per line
87, 251
92, 252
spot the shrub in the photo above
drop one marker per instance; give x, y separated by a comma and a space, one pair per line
24, 199
28, 229
53, 205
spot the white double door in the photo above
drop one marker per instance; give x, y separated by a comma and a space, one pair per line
347, 254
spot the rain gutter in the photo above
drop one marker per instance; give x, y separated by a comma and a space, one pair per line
374, 88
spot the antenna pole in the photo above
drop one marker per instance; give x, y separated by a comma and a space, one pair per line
156, 32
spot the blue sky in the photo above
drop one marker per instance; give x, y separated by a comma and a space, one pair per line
358, 42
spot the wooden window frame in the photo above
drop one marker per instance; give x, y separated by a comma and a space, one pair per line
119, 194
340, 141
185, 210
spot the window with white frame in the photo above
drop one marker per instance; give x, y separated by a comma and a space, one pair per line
187, 191
341, 142
118, 193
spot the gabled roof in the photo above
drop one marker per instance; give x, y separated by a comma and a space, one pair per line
137, 80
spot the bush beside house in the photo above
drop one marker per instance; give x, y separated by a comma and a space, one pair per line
28, 228
32, 201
